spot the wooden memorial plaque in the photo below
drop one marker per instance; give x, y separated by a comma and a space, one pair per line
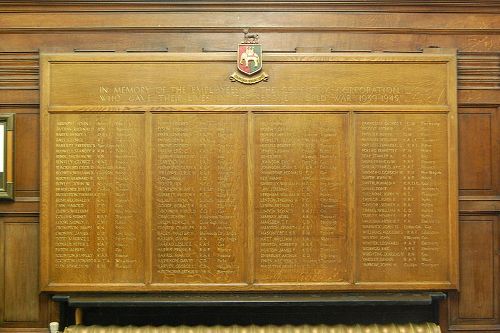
159, 173
300, 193
199, 197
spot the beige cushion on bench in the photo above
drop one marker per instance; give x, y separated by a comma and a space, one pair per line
388, 328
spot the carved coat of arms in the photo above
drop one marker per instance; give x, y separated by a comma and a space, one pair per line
249, 58
249, 61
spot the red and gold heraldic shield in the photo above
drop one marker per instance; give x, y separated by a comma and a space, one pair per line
249, 58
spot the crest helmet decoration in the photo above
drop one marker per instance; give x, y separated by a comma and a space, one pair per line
249, 61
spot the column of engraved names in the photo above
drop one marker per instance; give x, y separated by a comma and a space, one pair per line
401, 165
175, 198
73, 176
300, 198
198, 198
89, 153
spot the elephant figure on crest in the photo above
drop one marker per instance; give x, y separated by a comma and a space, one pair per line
249, 55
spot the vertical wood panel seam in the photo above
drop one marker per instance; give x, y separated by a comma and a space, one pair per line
453, 176
250, 250
351, 195
148, 205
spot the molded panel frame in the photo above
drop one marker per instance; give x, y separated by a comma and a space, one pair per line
53, 103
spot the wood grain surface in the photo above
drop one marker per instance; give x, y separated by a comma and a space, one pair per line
337, 174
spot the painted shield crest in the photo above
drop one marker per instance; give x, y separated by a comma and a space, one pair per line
249, 58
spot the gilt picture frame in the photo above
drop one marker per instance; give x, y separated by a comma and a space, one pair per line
7, 156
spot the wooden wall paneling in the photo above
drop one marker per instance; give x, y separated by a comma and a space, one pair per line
13, 96
18, 75
196, 39
20, 207
479, 70
2, 273
466, 23
22, 308
20, 250
27, 155
476, 150
497, 268
476, 97
477, 270
384, 25
496, 150
444, 317
272, 5
476, 306
19, 70
479, 159
343, 31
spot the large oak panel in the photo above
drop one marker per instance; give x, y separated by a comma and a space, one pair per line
339, 173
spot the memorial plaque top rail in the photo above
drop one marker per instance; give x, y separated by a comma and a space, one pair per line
200, 82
